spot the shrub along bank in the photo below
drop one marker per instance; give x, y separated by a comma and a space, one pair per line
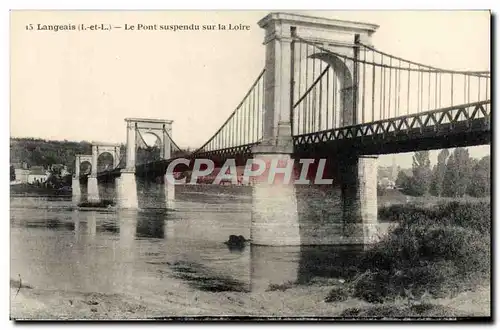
438, 251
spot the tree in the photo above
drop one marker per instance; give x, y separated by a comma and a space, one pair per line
12, 173
38, 152
422, 174
463, 164
457, 174
381, 190
54, 180
436, 187
402, 180
480, 181
147, 154
450, 176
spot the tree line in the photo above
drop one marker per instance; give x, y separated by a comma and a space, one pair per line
40, 152
456, 174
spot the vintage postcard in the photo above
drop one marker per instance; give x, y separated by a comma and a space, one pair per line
250, 165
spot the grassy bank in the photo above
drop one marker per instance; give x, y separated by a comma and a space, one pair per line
434, 252
28, 190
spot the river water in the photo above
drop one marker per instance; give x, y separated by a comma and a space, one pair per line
55, 247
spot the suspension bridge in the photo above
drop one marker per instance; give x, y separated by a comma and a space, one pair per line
325, 92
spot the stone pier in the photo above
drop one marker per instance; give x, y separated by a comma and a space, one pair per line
126, 190
92, 186
92, 190
274, 207
126, 185
359, 199
274, 210
76, 190
169, 189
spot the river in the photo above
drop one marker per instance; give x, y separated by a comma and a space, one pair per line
142, 253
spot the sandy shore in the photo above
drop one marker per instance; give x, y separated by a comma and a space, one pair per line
298, 301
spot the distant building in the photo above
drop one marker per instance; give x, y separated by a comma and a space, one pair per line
386, 183
37, 174
64, 171
21, 171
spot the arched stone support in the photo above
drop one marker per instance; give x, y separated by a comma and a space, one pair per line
99, 148
159, 127
75, 182
126, 185
274, 212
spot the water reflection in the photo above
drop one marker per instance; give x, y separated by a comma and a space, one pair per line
327, 261
128, 228
150, 224
126, 257
236, 248
75, 216
145, 252
91, 223
273, 266
203, 278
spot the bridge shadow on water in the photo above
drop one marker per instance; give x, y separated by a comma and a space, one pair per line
281, 266
203, 278
188, 243
218, 267
262, 268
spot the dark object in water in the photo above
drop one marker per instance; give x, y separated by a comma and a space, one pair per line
236, 241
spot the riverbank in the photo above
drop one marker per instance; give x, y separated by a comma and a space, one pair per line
436, 264
27, 190
296, 301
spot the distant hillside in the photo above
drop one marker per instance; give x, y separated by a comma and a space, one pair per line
38, 152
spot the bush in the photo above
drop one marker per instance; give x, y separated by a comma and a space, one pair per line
414, 260
406, 213
428, 277
338, 294
465, 247
372, 286
281, 287
474, 215
439, 250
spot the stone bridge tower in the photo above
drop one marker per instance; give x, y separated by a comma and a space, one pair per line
274, 215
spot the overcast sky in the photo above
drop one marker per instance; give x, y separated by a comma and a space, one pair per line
81, 85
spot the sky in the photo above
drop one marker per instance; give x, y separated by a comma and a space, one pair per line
81, 85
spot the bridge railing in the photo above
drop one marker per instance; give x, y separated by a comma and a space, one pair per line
244, 125
472, 117
332, 90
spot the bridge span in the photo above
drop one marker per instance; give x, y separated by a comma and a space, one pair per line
326, 92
